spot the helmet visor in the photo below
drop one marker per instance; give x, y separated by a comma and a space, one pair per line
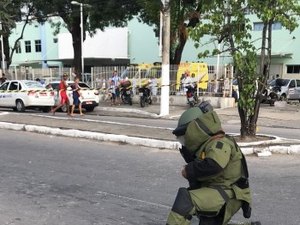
180, 130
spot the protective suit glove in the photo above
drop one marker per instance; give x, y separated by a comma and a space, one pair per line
186, 154
183, 172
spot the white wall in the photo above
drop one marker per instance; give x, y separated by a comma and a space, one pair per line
112, 43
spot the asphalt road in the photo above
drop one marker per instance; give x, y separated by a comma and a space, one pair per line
231, 124
48, 180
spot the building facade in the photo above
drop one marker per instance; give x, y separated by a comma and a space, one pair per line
136, 43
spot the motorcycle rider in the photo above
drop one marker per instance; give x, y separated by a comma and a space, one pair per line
216, 171
187, 81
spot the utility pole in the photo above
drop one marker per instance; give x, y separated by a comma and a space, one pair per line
165, 78
2, 50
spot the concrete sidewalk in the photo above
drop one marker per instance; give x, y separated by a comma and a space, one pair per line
157, 137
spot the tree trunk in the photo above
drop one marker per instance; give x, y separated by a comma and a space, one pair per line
6, 51
182, 38
10, 52
264, 73
76, 37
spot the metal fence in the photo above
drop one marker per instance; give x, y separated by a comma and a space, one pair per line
218, 84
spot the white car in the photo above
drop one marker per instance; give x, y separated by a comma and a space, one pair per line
90, 97
286, 89
22, 94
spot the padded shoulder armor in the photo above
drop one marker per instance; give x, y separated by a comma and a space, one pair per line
219, 151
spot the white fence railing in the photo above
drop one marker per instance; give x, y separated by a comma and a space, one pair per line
99, 78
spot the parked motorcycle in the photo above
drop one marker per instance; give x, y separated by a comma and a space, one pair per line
191, 95
145, 96
269, 96
126, 93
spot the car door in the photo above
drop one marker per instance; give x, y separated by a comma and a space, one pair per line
13, 89
292, 90
4, 94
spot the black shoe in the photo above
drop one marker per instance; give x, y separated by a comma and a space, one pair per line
256, 223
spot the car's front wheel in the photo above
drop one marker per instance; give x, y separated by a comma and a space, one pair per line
283, 97
20, 107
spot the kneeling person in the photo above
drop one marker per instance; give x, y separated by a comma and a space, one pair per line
216, 171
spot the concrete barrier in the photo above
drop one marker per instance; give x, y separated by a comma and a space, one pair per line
180, 100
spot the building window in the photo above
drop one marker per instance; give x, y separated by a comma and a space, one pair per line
38, 46
18, 47
258, 26
27, 46
293, 69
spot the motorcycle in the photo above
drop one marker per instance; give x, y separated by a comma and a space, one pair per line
270, 96
145, 96
191, 95
126, 93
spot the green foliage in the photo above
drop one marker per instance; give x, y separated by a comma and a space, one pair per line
246, 64
9, 13
227, 23
185, 14
284, 11
100, 13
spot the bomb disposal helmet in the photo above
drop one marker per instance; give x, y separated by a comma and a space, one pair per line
191, 115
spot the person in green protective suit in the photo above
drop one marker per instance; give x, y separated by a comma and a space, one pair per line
216, 170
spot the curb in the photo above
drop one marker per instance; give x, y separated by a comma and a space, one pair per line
247, 148
147, 142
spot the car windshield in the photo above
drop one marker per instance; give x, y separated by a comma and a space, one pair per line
33, 84
83, 85
279, 82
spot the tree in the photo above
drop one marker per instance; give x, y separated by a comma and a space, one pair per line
98, 15
12, 11
286, 13
184, 14
228, 23
6, 23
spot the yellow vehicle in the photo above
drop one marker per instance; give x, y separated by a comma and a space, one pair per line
197, 71
140, 74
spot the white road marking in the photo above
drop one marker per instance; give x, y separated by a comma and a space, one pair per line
133, 199
106, 122
4, 113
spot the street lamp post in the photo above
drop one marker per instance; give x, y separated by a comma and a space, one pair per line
81, 34
2, 50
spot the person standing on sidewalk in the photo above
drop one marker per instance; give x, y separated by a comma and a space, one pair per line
112, 92
216, 170
76, 97
64, 100
116, 79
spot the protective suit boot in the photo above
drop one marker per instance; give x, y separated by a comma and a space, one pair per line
256, 223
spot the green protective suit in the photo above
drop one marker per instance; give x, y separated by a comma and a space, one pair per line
213, 189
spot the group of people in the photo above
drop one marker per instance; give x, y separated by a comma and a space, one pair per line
64, 100
116, 84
